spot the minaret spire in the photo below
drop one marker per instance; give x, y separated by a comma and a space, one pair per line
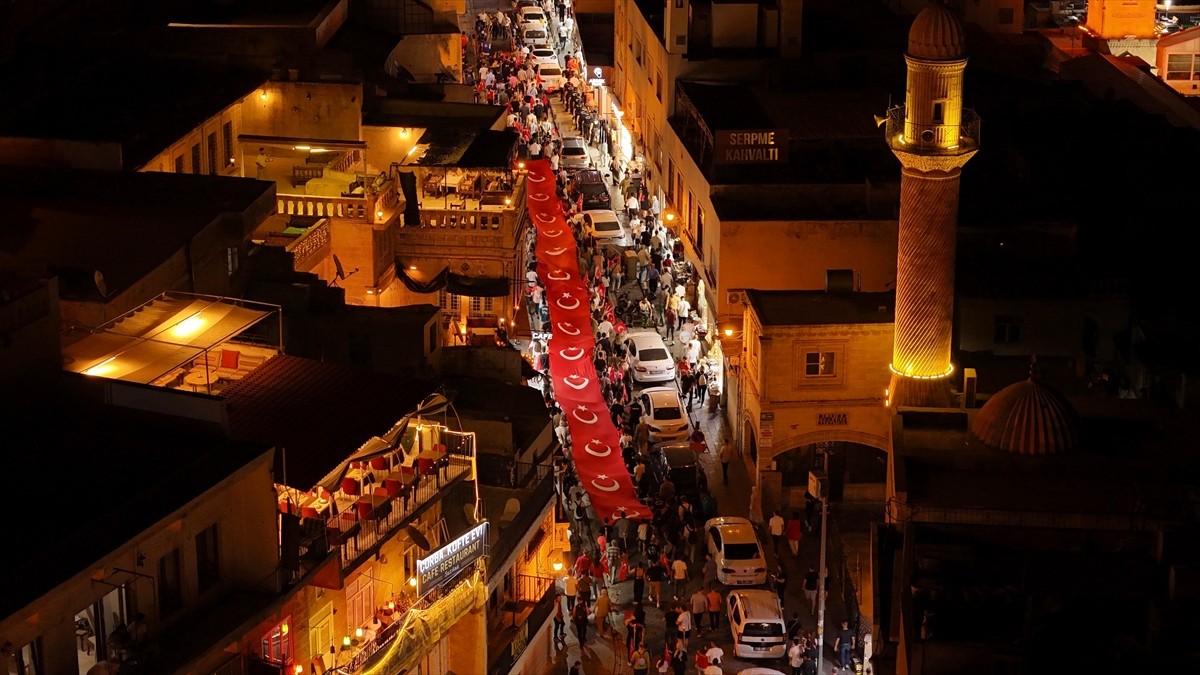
933, 137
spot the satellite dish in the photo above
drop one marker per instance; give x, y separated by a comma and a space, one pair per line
100, 285
414, 535
340, 272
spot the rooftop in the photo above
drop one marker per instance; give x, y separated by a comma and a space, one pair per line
77, 222
288, 402
519, 405
816, 308
91, 452
1132, 458
117, 94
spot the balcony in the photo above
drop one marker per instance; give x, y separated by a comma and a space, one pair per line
355, 525
938, 140
379, 200
474, 218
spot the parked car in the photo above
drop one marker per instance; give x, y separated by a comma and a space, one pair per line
574, 154
648, 355
676, 460
532, 15
535, 35
544, 55
663, 412
757, 624
605, 227
590, 183
552, 77
735, 548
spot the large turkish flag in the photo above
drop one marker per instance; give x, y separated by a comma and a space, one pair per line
595, 442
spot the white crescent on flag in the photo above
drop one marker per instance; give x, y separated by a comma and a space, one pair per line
539, 197
566, 327
552, 233
571, 380
591, 417
597, 453
571, 303
555, 276
605, 487
574, 350
556, 251
545, 218
536, 178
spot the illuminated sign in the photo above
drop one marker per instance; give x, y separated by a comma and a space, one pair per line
444, 563
761, 146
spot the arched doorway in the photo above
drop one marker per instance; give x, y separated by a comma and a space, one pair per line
857, 472
750, 442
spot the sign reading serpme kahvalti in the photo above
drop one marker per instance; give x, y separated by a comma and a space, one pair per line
762, 146
444, 563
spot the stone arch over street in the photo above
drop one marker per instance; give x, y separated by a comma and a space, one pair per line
857, 468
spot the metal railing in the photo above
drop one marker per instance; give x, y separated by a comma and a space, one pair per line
502, 471
932, 139
531, 510
532, 588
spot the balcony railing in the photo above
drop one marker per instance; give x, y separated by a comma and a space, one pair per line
384, 199
310, 247
932, 139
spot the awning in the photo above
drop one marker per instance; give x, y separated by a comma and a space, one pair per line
293, 141
378, 446
163, 334
458, 284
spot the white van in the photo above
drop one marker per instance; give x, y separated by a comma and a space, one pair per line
757, 624
535, 35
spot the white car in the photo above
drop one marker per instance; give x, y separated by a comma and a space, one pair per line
648, 355
735, 548
532, 15
575, 155
757, 624
535, 35
542, 55
552, 77
664, 414
605, 227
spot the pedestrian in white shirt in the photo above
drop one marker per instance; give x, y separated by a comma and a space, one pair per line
631, 206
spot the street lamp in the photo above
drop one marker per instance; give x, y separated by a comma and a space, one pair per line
818, 486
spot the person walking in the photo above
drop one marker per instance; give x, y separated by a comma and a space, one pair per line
603, 607
679, 659
811, 580
639, 660
844, 644
726, 457
671, 623
779, 581
699, 609
657, 574
585, 590
775, 525
795, 655
684, 624
679, 574
560, 621
579, 616
571, 590
639, 583
714, 653
710, 570
794, 531
714, 607
576, 668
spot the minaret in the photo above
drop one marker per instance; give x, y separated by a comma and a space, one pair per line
933, 137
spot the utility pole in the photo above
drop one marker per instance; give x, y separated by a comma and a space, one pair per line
818, 486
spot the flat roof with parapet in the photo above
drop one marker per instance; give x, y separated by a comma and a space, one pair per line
1133, 459
122, 224
815, 308
144, 104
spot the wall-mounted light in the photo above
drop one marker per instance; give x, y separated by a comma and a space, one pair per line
557, 566
403, 132
728, 332
596, 71
521, 165
670, 217
101, 368
298, 670
379, 214
508, 201
358, 633
263, 96
412, 581
412, 267
346, 642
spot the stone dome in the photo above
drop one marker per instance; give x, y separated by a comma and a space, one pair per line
936, 34
1027, 418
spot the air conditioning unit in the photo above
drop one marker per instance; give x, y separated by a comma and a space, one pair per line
970, 383
735, 298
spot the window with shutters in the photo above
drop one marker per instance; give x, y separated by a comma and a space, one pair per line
170, 583
213, 165
196, 158
208, 558
820, 364
227, 142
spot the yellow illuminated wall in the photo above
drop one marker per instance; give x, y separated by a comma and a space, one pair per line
1121, 18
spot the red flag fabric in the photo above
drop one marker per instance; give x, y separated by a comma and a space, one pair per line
596, 448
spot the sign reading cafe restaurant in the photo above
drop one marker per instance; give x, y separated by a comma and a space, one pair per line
444, 563
754, 146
